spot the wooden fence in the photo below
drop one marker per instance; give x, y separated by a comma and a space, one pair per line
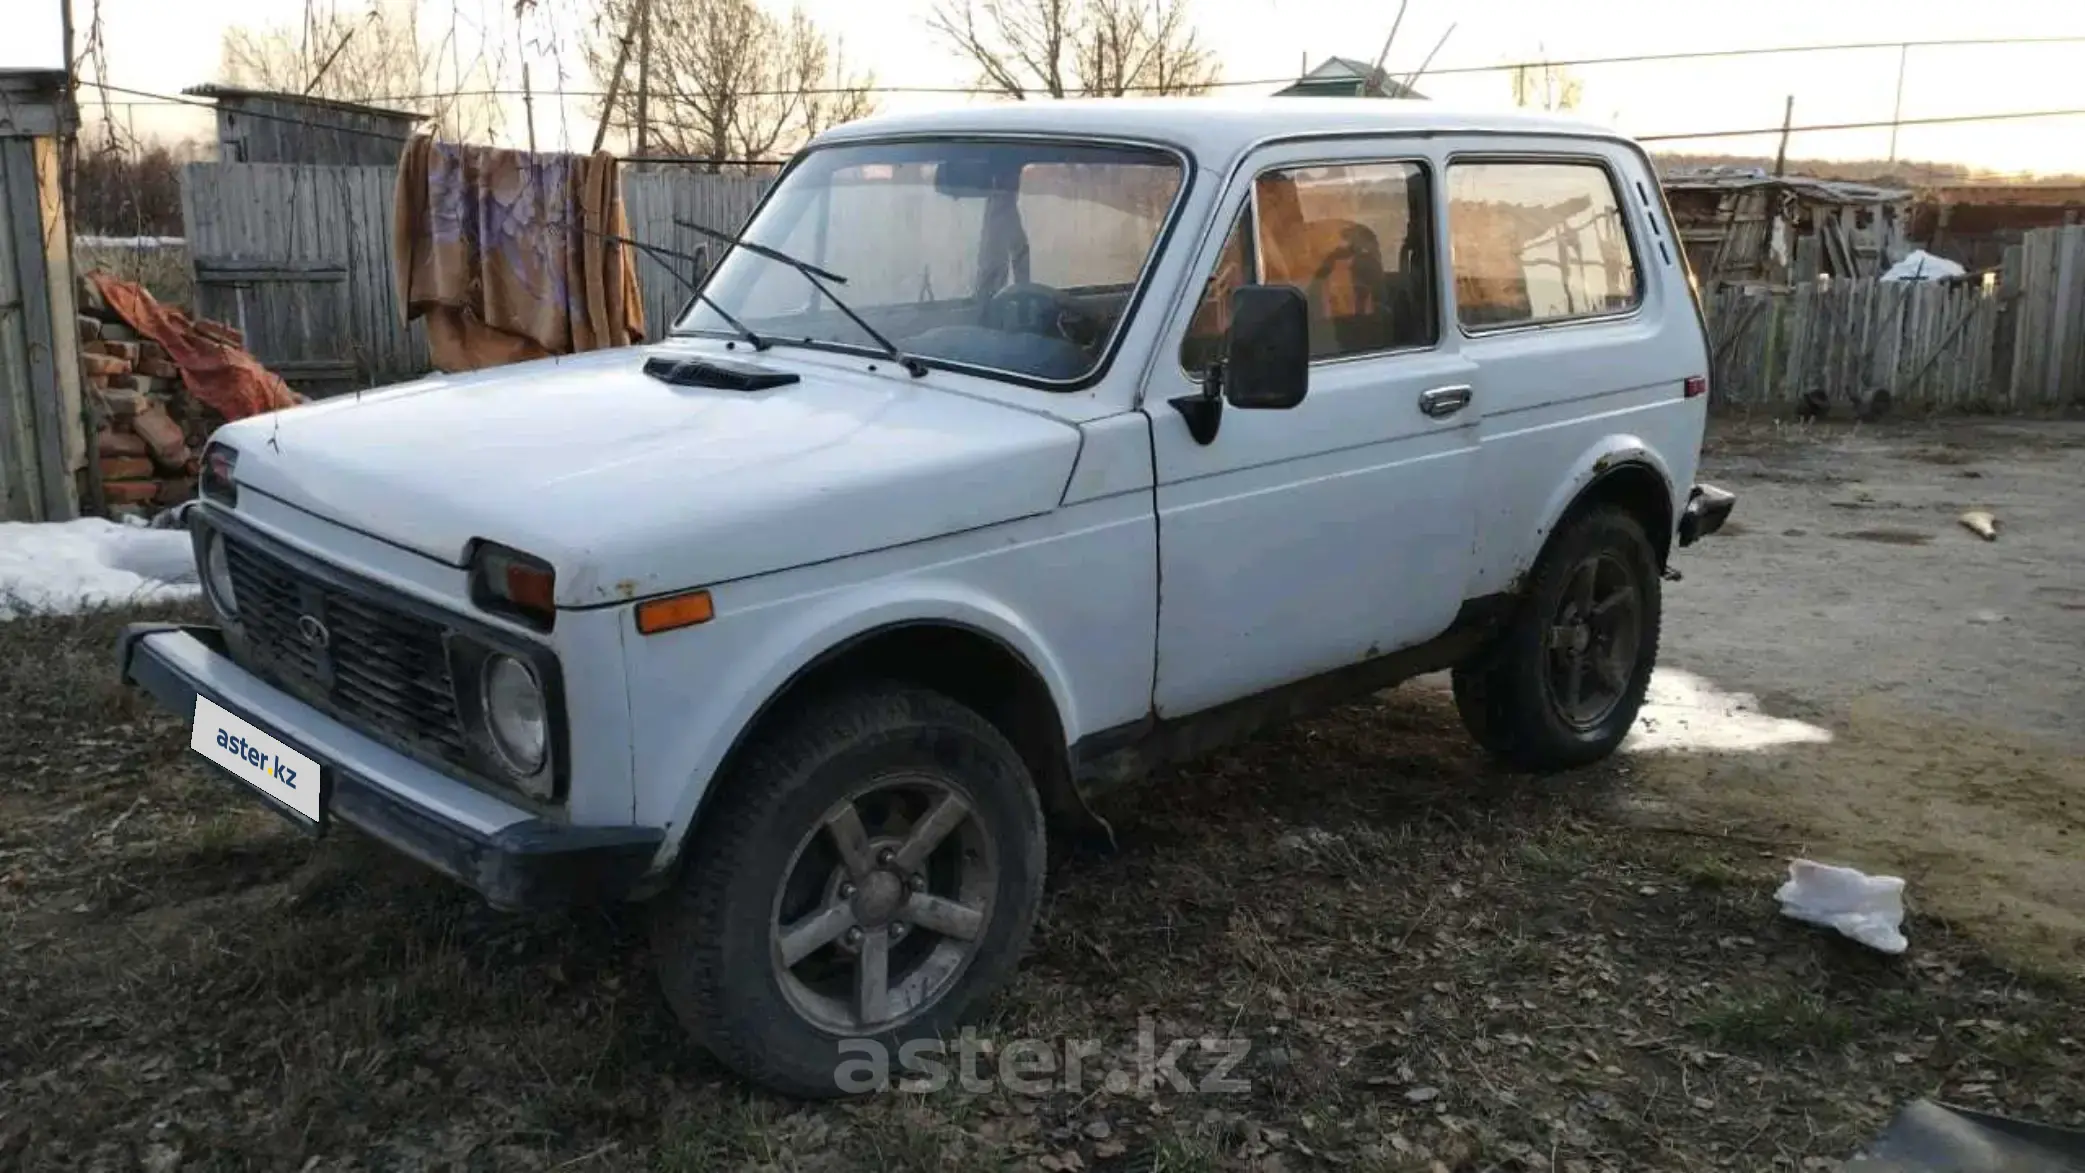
2014, 343
299, 257
654, 200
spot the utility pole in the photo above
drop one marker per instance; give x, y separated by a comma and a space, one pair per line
644, 76
1787, 120
615, 78
1897, 111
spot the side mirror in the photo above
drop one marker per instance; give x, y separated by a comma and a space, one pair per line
1265, 361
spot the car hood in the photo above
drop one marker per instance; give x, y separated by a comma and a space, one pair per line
630, 486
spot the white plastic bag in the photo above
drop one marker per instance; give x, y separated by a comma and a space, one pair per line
1869, 909
1921, 265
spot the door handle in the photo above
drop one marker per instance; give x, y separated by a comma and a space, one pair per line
1442, 402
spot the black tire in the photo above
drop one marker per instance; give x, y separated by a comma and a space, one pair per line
718, 932
1509, 697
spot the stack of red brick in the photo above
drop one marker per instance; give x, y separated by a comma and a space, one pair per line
152, 430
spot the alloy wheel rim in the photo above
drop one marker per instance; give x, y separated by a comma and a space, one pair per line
1592, 641
883, 905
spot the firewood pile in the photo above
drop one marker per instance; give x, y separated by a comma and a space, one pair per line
152, 432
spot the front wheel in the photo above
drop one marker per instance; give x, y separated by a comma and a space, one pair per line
869, 873
1563, 683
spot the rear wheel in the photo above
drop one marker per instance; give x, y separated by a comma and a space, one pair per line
869, 874
1564, 681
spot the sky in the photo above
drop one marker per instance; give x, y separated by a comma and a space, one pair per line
166, 45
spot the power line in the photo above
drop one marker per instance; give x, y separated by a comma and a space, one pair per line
1674, 136
200, 104
1502, 67
1887, 122
1627, 59
1709, 54
169, 99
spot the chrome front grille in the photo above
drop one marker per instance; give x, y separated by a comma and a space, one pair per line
374, 667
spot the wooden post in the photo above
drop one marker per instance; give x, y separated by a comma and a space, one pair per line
2066, 296
615, 76
644, 76
528, 106
1897, 111
1787, 120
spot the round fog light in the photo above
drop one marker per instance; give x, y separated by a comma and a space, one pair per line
217, 576
514, 713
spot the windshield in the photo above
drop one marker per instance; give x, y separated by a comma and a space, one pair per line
1019, 258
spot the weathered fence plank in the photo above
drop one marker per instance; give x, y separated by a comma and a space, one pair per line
654, 200
1929, 345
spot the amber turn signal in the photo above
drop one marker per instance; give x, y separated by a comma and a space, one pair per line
657, 615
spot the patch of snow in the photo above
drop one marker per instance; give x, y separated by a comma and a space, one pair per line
1920, 265
1685, 712
64, 566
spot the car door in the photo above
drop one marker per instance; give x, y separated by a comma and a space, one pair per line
1559, 298
1301, 540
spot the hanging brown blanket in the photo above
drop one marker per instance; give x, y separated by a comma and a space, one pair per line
506, 254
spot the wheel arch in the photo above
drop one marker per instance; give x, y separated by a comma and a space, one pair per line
962, 658
1620, 470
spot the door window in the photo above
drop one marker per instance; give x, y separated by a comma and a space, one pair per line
1353, 237
1536, 242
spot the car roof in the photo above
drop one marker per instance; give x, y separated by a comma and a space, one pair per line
1213, 130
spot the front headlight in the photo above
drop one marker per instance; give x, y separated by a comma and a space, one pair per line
217, 576
516, 716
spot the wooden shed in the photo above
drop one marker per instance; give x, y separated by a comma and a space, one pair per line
1975, 223
261, 126
1743, 226
43, 434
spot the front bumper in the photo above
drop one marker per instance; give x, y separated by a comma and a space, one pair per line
1707, 508
512, 857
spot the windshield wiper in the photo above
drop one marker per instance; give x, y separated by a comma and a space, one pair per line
813, 274
659, 254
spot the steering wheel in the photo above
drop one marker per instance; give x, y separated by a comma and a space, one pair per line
1026, 307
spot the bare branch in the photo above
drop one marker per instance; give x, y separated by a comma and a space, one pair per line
1093, 48
368, 51
729, 80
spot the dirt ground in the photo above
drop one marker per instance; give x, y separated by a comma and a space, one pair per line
1437, 966
1948, 671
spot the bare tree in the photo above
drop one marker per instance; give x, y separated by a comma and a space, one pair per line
371, 51
1078, 48
726, 79
1546, 87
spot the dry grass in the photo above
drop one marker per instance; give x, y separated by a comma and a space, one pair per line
165, 272
1439, 967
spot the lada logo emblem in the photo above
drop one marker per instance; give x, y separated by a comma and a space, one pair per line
313, 631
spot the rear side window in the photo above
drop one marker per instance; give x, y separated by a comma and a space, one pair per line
1537, 242
1353, 237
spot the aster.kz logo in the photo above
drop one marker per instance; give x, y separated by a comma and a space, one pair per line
254, 755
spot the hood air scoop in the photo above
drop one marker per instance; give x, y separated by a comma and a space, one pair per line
721, 373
